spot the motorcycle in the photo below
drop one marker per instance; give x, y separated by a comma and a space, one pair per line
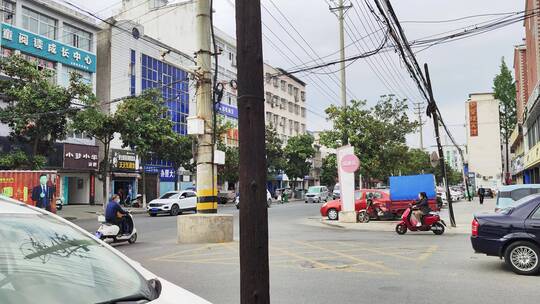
110, 233
373, 211
430, 222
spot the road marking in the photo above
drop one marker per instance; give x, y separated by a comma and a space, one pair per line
429, 252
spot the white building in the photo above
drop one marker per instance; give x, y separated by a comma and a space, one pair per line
483, 140
56, 38
285, 105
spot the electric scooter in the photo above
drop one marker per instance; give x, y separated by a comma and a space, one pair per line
430, 222
373, 211
110, 233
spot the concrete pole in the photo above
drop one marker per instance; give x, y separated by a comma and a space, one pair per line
206, 177
341, 17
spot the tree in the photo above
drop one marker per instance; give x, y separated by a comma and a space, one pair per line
329, 170
377, 134
417, 162
504, 89
275, 161
229, 171
298, 152
17, 159
178, 149
38, 109
145, 127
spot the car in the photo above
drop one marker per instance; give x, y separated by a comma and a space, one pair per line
173, 203
508, 195
336, 193
512, 234
317, 194
489, 193
269, 200
47, 259
332, 208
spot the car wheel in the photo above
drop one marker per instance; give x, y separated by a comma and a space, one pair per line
133, 238
401, 228
523, 258
153, 214
332, 214
362, 216
437, 228
59, 207
175, 210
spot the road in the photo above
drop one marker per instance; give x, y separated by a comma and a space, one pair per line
318, 264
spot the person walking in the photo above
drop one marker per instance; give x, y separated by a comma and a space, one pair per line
481, 194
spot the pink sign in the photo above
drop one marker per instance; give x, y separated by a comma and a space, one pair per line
350, 163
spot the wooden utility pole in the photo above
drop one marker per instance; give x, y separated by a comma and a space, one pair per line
254, 269
432, 109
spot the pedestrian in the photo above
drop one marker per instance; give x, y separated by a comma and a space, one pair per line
42, 194
481, 194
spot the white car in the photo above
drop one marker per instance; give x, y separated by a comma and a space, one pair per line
47, 259
173, 203
268, 200
317, 194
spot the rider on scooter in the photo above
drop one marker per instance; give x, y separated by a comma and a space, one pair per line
422, 208
114, 213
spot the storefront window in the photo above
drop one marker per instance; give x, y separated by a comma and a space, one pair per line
8, 12
38, 23
77, 37
66, 72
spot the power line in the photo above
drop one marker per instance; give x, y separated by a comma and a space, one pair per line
460, 18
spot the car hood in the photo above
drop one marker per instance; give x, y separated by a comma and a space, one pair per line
172, 294
162, 201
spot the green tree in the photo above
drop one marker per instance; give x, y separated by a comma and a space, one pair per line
18, 159
229, 171
145, 127
275, 160
504, 89
377, 134
37, 110
298, 152
329, 170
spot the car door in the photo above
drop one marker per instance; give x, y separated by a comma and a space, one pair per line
532, 224
191, 200
183, 200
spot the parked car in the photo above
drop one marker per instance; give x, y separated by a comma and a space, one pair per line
508, 195
47, 259
332, 208
512, 234
317, 194
269, 200
489, 193
173, 203
336, 193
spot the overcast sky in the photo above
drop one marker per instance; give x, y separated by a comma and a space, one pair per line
457, 68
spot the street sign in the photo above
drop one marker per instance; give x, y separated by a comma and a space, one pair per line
434, 159
350, 163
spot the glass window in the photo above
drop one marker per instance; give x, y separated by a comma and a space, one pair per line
283, 103
303, 111
66, 74
59, 257
275, 82
536, 215
8, 12
296, 109
283, 85
303, 96
268, 97
520, 193
289, 89
268, 77
303, 128
77, 37
291, 107
38, 23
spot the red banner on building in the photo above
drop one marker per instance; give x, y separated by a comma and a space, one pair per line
473, 118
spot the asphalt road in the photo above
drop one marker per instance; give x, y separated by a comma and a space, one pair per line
311, 264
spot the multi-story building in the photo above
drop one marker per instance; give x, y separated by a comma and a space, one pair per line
174, 24
516, 142
62, 40
130, 62
483, 140
285, 105
452, 157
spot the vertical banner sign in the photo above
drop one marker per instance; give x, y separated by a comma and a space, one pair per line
92, 189
473, 118
347, 164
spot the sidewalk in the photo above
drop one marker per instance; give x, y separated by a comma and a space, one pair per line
81, 212
463, 213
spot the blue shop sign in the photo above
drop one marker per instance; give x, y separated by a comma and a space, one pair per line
228, 110
43, 47
166, 174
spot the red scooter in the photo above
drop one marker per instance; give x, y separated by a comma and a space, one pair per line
430, 222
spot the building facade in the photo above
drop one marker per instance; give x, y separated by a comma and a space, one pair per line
517, 144
130, 62
62, 40
483, 140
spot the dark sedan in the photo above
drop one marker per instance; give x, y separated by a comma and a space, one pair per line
512, 234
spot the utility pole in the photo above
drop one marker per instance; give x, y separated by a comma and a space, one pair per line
419, 110
254, 265
206, 183
341, 9
432, 110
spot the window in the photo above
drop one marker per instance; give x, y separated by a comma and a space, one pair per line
275, 82
77, 37
283, 104
303, 111
268, 97
296, 94
275, 101
289, 89
38, 23
268, 77
86, 77
283, 85
291, 107
303, 128
296, 126
296, 109
290, 126
283, 123
269, 118
375, 194
520, 193
276, 119
132, 73
536, 215
8, 12
303, 96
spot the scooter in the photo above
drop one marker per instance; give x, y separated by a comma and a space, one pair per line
430, 222
110, 233
373, 211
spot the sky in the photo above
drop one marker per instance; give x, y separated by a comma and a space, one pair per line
297, 32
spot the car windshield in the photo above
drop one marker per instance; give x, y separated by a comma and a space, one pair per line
515, 205
43, 260
314, 190
168, 195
